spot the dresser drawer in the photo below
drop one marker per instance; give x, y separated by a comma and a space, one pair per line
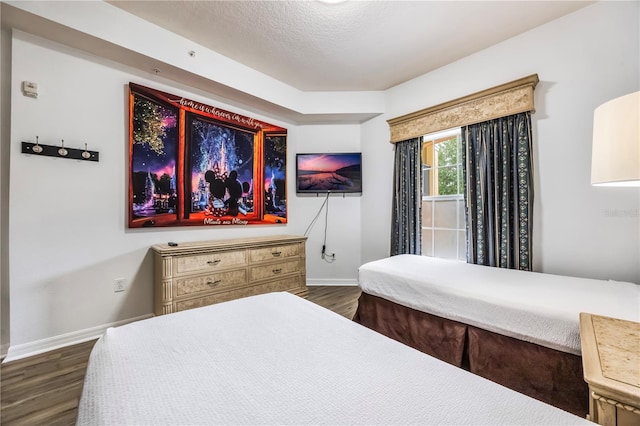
274, 270
275, 252
218, 281
198, 302
209, 262
293, 284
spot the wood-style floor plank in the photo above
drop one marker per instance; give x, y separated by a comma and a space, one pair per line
45, 389
340, 299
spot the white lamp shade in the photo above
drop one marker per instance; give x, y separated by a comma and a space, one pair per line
615, 155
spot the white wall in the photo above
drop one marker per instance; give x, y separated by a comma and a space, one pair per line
68, 234
375, 225
5, 136
582, 60
343, 229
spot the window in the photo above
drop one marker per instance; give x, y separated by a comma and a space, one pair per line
443, 222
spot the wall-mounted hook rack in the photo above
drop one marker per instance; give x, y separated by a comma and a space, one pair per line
59, 151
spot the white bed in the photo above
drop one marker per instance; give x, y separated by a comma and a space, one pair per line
529, 306
279, 359
517, 328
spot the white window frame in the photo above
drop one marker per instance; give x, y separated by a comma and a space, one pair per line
434, 199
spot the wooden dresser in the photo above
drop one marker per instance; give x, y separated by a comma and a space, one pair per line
611, 361
196, 274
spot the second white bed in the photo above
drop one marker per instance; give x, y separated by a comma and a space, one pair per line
279, 359
533, 307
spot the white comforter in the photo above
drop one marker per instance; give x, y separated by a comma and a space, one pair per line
279, 359
534, 307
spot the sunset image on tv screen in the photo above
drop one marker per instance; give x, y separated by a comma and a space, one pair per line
329, 172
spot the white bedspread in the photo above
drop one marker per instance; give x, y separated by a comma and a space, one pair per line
530, 306
279, 359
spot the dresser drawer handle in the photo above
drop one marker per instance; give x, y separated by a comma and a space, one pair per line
276, 271
212, 283
213, 262
276, 253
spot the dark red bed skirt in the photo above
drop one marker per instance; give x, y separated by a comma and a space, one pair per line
542, 373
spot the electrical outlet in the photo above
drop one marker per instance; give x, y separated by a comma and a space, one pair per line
118, 285
329, 257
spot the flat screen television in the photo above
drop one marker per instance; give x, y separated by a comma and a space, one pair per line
333, 172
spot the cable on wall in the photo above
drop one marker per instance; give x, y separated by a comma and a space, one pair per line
306, 233
325, 257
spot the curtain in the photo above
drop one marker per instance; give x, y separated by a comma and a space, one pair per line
406, 231
498, 191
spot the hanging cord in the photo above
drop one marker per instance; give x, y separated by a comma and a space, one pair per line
326, 215
326, 200
328, 259
325, 257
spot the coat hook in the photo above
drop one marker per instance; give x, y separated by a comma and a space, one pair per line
37, 148
62, 152
59, 151
86, 154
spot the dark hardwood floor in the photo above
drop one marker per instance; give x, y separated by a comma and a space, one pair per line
45, 389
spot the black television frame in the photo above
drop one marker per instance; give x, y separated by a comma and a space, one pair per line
353, 175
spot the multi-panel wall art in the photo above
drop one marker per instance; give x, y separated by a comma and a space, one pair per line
192, 164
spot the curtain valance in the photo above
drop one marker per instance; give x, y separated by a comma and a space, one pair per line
499, 101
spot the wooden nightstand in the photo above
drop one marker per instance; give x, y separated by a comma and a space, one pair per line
611, 362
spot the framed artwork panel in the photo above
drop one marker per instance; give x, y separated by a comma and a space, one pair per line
275, 178
191, 164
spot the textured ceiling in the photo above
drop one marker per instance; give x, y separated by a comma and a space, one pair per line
352, 45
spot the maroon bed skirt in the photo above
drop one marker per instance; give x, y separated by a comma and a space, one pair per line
542, 373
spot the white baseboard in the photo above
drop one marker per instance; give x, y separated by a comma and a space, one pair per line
332, 281
25, 350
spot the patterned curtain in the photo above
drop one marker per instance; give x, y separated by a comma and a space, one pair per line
406, 231
498, 191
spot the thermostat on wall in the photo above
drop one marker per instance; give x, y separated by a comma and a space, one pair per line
30, 89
